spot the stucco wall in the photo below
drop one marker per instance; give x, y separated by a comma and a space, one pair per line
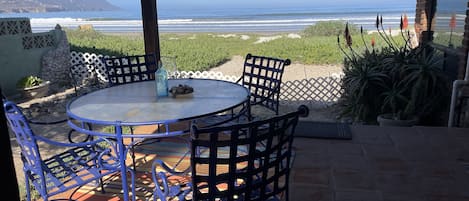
21, 51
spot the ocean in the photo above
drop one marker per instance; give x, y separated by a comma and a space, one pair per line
242, 18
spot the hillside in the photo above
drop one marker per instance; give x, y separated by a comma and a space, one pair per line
31, 6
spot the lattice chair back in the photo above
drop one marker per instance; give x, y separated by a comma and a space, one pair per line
263, 77
79, 164
128, 69
253, 163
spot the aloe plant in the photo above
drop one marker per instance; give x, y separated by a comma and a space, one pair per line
396, 78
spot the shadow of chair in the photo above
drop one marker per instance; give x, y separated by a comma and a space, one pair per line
79, 164
263, 77
252, 164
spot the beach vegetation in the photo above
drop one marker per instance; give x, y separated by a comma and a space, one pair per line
202, 51
328, 28
450, 40
112, 129
96, 42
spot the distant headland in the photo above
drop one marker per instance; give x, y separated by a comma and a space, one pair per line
36, 6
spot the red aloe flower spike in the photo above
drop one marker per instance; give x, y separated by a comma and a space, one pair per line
373, 42
452, 25
452, 22
405, 22
347, 36
349, 41
401, 25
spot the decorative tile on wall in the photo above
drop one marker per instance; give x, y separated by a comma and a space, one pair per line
38, 41
12, 28
3, 28
25, 27
28, 42
15, 26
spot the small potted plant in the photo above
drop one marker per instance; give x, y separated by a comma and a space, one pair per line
33, 87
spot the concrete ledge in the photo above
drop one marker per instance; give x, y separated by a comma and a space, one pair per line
326, 130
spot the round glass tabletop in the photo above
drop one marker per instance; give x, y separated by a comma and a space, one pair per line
137, 102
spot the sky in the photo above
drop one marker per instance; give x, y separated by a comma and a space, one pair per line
258, 3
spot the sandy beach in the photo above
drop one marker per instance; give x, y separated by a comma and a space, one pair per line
295, 71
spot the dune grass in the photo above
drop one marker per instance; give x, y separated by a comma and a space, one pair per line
202, 51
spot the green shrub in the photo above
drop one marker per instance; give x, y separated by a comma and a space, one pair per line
327, 28
29, 81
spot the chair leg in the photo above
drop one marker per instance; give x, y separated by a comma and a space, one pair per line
28, 191
133, 159
101, 183
132, 150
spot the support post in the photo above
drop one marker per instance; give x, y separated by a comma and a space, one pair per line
8, 166
150, 28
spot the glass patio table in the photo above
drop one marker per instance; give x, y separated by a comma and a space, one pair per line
136, 104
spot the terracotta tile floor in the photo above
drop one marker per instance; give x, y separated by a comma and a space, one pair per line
382, 164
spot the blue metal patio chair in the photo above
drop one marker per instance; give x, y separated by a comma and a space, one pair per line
252, 164
263, 77
80, 164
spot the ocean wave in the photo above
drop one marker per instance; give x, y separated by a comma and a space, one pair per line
197, 25
195, 21
175, 20
54, 20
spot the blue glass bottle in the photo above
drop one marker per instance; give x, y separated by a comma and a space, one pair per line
161, 78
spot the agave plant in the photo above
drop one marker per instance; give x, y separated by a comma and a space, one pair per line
396, 78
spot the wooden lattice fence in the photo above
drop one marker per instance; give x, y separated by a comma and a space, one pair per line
320, 90
91, 58
203, 74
